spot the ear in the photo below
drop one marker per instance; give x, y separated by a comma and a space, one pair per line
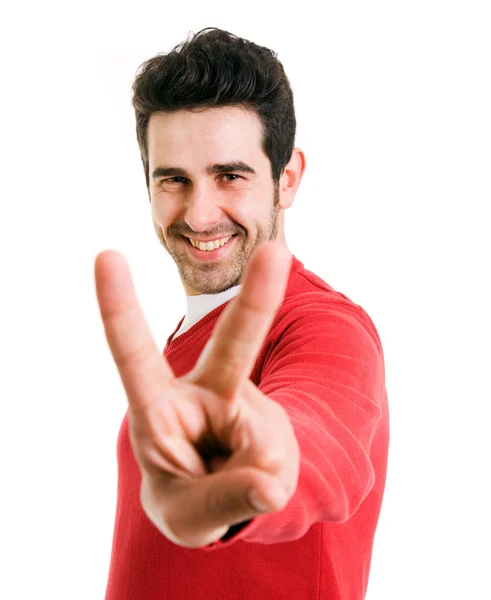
291, 178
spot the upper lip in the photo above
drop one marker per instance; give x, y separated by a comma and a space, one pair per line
198, 239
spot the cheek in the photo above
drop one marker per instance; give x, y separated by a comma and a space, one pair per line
255, 219
164, 212
246, 209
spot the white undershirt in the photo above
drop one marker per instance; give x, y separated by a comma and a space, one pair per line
199, 306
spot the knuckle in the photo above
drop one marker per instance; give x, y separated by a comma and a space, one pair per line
273, 459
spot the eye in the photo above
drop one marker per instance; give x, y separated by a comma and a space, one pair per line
174, 180
231, 175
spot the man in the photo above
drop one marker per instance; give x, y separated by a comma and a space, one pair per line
252, 458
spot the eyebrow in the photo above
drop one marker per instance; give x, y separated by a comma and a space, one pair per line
235, 166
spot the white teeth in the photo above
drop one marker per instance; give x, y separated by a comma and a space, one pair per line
209, 245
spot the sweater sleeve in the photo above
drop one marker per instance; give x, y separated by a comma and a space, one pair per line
326, 368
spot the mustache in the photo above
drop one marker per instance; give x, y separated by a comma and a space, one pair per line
178, 229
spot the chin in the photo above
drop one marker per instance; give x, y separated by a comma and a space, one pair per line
209, 286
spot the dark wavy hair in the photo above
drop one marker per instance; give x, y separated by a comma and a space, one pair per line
215, 68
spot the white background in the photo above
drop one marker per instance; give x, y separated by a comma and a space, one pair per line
393, 108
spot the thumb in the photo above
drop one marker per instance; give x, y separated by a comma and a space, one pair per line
233, 498
204, 508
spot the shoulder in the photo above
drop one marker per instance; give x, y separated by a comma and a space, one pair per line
314, 309
315, 324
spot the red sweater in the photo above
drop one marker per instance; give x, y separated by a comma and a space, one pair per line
323, 362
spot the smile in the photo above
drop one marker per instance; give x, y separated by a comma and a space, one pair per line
208, 246
210, 250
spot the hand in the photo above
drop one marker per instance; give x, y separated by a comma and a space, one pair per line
204, 440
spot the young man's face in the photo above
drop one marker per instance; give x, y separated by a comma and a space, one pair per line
209, 180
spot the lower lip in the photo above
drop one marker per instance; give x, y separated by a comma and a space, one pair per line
207, 255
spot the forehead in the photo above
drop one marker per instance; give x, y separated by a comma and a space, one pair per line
211, 135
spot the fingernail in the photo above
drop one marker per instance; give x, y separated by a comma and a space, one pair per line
257, 502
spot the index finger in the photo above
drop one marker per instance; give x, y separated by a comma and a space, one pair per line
229, 355
141, 366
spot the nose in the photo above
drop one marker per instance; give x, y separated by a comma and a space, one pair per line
201, 212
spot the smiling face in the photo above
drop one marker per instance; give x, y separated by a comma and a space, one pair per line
209, 180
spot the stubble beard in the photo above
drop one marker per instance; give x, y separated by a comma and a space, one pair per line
211, 277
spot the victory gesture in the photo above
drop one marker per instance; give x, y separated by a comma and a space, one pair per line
204, 441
